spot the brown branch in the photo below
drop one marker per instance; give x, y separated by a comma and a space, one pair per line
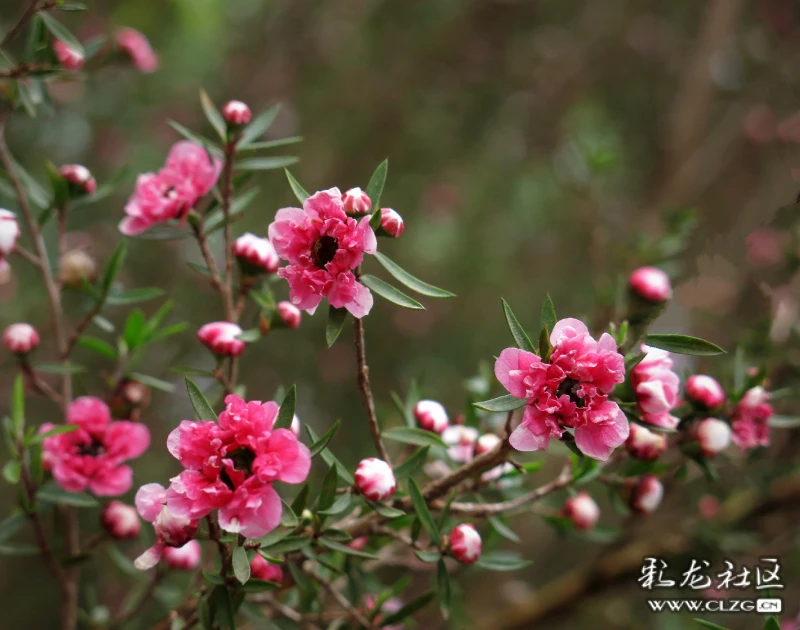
351, 610
38, 384
366, 390
27, 255
202, 242
287, 612
227, 194
27, 14
124, 617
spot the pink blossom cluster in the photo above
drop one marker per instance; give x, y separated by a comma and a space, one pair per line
323, 245
231, 465
657, 388
188, 175
172, 531
750, 422
568, 392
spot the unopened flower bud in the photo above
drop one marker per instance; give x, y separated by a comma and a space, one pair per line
75, 265
120, 520
713, 436
9, 232
645, 444
392, 222
358, 543
487, 442
69, 58
184, 558
705, 391
356, 201
465, 543
754, 397
646, 495
461, 441
295, 428
289, 314
236, 113
651, 284
20, 338
261, 569
221, 338
431, 416
80, 178
138, 48
375, 479
174, 531
256, 255
582, 510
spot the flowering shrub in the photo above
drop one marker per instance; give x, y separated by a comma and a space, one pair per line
607, 403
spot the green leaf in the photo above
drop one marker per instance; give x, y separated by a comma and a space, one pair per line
190, 135
337, 546
548, 317
249, 336
504, 530
288, 517
213, 116
683, 344
409, 435
135, 327
299, 503
266, 163
287, 545
185, 370
38, 195
258, 126
406, 611
99, 346
61, 32
405, 278
412, 464
423, 514
52, 493
222, 605
501, 562
330, 459
632, 360
113, 267
318, 446
241, 565
388, 292
375, 191
286, 411
204, 613
520, 336
12, 470
772, 623
18, 549
545, 347
134, 296
784, 422
430, 557
18, 404
11, 525
271, 144
328, 492
297, 189
443, 583
341, 504
60, 368
216, 220
57, 430
152, 381
336, 319
384, 510
202, 408
501, 403
711, 626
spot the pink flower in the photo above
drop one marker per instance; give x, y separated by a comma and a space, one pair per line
705, 391
375, 479
465, 543
582, 510
9, 232
651, 284
184, 558
751, 419
461, 441
137, 47
657, 388
80, 177
713, 435
231, 466
431, 416
236, 113
392, 222
222, 338
646, 495
267, 571
120, 520
356, 201
20, 338
171, 530
92, 456
645, 444
256, 254
187, 177
289, 314
323, 245
69, 58
571, 391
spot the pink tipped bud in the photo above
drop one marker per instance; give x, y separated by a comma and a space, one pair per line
20, 338
651, 284
375, 479
645, 444
75, 265
255, 254
137, 47
261, 569
392, 222
461, 441
69, 58
120, 520
358, 543
582, 511
705, 390
487, 442
80, 177
236, 113
713, 436
431, 416
9, 232
184, 558
174, 531
465, 543
356, 201
646, 495
221, 338
754, 397
290, 314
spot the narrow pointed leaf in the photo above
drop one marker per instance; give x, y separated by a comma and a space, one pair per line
297, 189
61, 32
266, 163
258, 126
286, 412
517, 332
388, 292
336, 319
202, 408
318, 446
413, 463
337, 546
330, 459
375, 191
423, 514
328, 492
406, 611
501, 403
405, 278
548, 317
683, 344
411, 435
443, 582
213, 116
241, 565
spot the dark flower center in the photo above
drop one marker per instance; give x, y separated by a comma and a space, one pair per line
243, 459
570, 387
324, 250
92, 449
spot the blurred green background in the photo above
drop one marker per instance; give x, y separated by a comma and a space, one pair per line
534, 146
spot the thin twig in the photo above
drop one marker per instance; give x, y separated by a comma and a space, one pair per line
287, 612
124, 617
352, 611
27, 14
227, 194
366, 390
38, 384
27, 255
